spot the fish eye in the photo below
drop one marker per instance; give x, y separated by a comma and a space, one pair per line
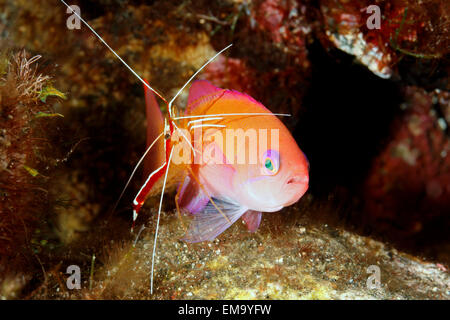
270, 162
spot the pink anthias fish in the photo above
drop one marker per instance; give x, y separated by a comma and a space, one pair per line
218, 193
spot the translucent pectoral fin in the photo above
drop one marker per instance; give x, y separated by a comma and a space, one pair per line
210, 222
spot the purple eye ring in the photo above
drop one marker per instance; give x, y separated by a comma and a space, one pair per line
270, 162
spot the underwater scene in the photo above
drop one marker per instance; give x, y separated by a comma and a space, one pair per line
224, 150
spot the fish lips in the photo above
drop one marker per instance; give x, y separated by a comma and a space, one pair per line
296, 186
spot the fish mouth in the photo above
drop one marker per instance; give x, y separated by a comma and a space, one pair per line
297, 180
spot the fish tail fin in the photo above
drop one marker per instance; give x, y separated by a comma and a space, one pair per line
155, 125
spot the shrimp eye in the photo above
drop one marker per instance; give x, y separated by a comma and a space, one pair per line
270, 162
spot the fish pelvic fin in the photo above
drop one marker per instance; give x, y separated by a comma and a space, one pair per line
252, 220
191, 197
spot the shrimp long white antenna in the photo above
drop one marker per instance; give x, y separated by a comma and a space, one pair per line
138, 235
112, 50
157, 221
196, 73
208, 126
233, 114
184, 136
204, 119
134, 170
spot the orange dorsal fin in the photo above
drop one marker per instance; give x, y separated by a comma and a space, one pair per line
201, 91
203, 96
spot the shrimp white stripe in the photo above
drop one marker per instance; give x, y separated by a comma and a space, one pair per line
146, 181
149, 177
